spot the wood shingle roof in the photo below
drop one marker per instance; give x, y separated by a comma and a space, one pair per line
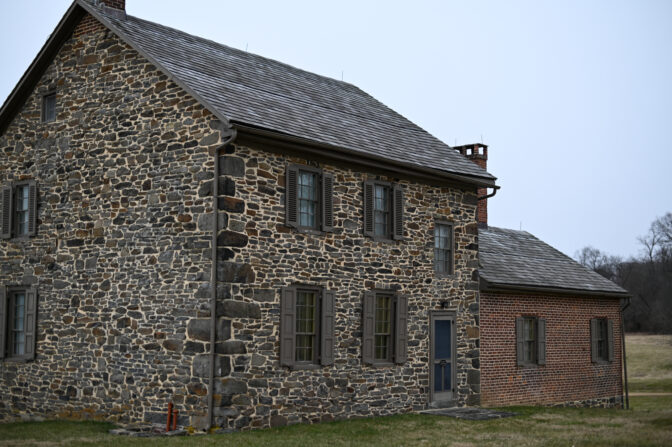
510, 259
247, 89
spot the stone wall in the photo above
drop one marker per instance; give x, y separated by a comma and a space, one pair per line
270, 255
122, 254
122, 262
569, 377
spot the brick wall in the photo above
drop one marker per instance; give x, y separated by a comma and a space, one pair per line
568, 377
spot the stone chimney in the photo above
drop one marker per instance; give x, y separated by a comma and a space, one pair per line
478, 153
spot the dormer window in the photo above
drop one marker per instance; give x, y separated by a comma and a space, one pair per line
49, 108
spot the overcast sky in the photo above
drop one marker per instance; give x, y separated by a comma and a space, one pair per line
574, 98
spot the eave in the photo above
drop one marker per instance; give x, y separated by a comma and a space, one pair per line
284, 142
487, 286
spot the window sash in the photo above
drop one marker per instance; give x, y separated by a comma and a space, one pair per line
17, 328
308, 199
381, 211
443, 243
307, 326
49, 108
21, 209
383, 325
530, 340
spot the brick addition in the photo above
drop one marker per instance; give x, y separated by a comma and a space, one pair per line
569, 377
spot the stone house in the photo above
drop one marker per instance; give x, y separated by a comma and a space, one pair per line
184, 222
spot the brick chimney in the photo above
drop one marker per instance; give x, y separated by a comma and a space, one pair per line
115, 4
478, 153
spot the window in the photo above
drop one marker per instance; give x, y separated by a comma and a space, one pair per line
530, 341
385, 333
306, 326
49, 108
383, 210
443, 248
17, 322
21, 210
601, 340
309, 198
18, 203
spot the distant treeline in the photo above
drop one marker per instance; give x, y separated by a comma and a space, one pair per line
648, 278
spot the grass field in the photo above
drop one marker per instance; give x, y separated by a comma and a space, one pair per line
647, 423
649, 363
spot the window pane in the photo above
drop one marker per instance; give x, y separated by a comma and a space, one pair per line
442, 339
442, 377
446, 378
438, 377
49, 107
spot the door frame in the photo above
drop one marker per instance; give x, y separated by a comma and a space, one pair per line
433, 314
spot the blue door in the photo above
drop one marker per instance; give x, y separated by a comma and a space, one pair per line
442, 364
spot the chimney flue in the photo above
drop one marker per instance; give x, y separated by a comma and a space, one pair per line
478, 153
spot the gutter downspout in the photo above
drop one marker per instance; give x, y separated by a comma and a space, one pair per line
213, 277
490, 195
625, 364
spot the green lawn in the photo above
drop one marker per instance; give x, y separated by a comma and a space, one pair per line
649, 363
647, 423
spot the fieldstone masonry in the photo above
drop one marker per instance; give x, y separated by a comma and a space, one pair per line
122, 254
122, 262
267, 255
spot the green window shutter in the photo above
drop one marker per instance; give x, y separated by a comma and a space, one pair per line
327, 202
368, 325
401, 330
6, 210
288, 327
520, 341
327, 328
32, 208
3, 321
594, 330
368, 208
30, 323
541, 341
398, 212
291, 195
610, 339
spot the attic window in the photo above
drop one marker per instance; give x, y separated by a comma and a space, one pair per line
49, 108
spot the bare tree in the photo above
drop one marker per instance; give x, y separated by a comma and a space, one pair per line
648, 278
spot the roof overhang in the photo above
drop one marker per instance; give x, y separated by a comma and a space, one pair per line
284, 142
486, 286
